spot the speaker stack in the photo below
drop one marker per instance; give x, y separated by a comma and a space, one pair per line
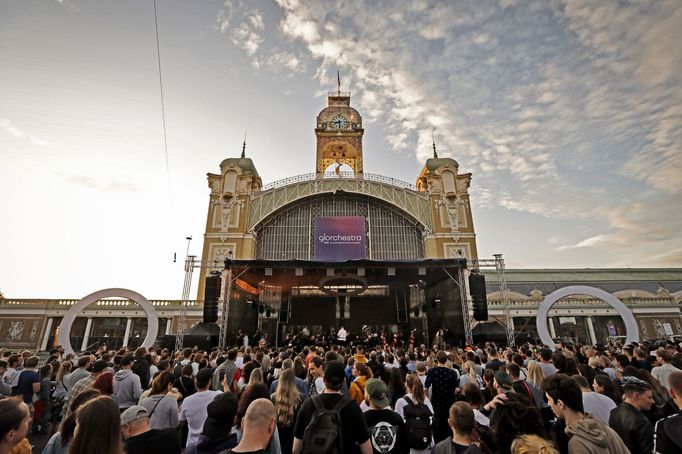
478, 296
211, 296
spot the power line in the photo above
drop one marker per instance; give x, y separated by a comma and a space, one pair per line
163, 108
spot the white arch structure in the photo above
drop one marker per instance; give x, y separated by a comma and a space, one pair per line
76, 309
631, 330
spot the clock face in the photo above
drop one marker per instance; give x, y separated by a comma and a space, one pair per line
339, 122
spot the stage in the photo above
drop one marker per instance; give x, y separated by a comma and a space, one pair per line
283, 297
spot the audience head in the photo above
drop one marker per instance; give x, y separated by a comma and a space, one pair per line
248, 395
221, 413
98, 428
203, 378
260, 420
516, 417
532, 444
14, 420
637, 393
104, 383
675, 388
334, 375
562, 394
134, 421
376, 393
461, 419
162, 383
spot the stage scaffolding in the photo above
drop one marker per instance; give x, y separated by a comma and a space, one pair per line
192, 262
497, 262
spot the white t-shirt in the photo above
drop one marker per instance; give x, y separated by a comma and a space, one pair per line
400, 409
400, 405
319, 384
193, 410
342, 334
548, 369
598, 405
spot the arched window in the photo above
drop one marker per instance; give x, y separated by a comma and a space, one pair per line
449, 186
230, 183
288, 232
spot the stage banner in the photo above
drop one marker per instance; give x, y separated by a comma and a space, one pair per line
339, 238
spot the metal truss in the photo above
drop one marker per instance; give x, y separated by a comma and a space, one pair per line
281, 193
498, 263
227, 291
190, 264
466, 317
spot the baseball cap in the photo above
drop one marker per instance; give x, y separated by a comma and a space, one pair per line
99, 366
334, 373
503, 380
133, 414
127, 360
220, 416
376, 390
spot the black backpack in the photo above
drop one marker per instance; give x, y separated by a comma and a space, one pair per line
418, 424
177, 369
324, 434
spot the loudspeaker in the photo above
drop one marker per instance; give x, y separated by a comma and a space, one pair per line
283, 314
478, 296
211, 296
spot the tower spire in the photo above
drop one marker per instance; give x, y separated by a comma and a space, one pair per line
244, 146
435, 154
338, 83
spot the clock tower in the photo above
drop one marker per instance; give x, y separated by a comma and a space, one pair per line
339, 136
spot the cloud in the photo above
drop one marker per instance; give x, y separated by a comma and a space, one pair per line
561, 109
68, 6
102, 184
248, 34
7, 126
588, 242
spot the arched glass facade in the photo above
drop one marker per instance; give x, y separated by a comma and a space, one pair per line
288, 233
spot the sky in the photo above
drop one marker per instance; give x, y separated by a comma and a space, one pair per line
567, 113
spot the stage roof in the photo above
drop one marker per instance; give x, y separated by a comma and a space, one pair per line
250, 274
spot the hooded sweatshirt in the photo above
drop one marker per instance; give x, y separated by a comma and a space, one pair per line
594, 436
210, 446
127, 388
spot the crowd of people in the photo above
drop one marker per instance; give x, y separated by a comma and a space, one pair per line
381, 398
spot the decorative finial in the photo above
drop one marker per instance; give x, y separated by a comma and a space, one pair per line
435, 154
338, 83
244, 146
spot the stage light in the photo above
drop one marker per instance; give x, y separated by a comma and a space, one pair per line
435, 302
416, 312
261, 309
267, 313
424, 307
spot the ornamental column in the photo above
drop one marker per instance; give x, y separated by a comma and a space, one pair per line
552, 332
86, 337
46, 336
590, 329
129, 324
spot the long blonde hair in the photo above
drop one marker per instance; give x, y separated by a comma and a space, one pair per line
535, 374
64, 368
532, 444
256, 376
286, 398
414, 385
470, 368
456, 358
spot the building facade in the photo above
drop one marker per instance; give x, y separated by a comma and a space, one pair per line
430, 219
